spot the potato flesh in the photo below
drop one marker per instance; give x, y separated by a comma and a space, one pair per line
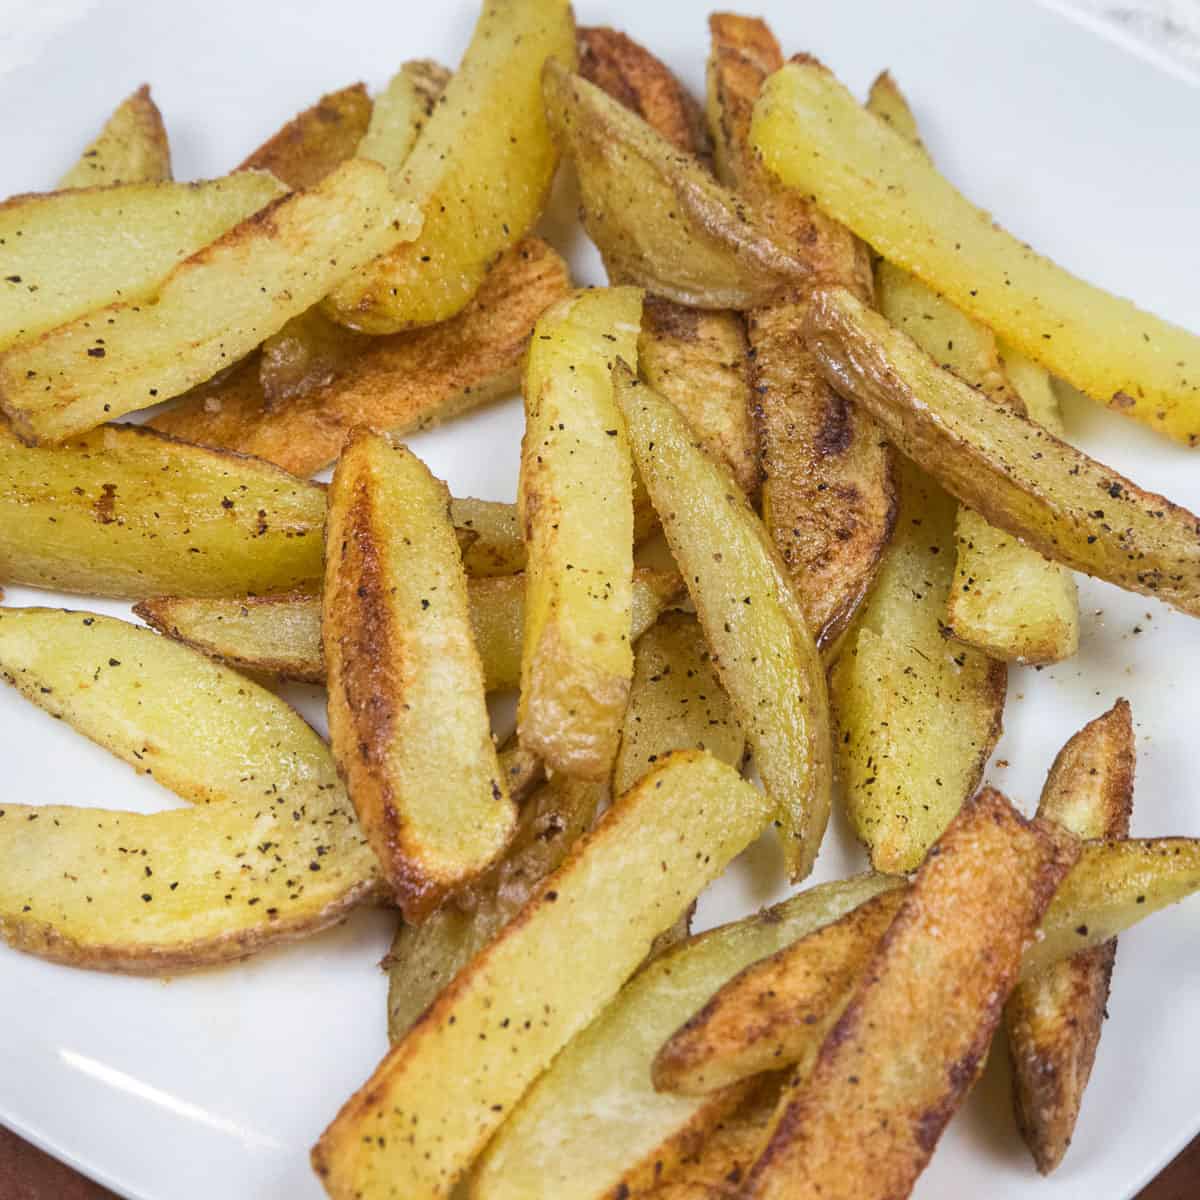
814, 135
408, 721
1015, 473
765, 656
281, 634
212, 309
131, 148
576, 501
487, 1038
66, 253
123, 512
400, 383
489, 125
399, 113
594, 1122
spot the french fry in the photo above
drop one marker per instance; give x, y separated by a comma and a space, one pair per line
865, 1121
490, 125
1054, 1019
660, 220
125, 512
816, 137
828, 498
400, 383
131, 148
400, 112
696, 359
1007, 600
460, 1070
212, 309
764, 653
576, 502
279, 858
593, 1124
280, 633
1016, 474
66, 253
499, 547
407, 718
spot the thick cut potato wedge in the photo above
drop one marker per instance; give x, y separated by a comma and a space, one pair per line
399, 384
425, 958
576, 500
676, 702
488, 125
1019, 476
407, 717
1054, 1020
593, 1126
211, 735
763, 651
864, 1123
443, 1091
815, 136
499, 547
126, 512
658, 217
280, 633
317, 140
66, 253
828, 498
131, 148
400, 113
211, 310
280, 858
696, 359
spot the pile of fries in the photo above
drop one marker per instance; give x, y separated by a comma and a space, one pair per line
822, 376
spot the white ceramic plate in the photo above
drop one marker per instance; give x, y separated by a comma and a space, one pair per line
216, 1084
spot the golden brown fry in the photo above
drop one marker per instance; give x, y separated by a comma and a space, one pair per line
280, 633
123, 511
864, 1123
316, 140
407, 718
764, 653
816, 137
1054, 1020
436, 1099
400, 113
499, 548
659, 219
828, 497
889, 103
1016, 474
400, 383
131, 148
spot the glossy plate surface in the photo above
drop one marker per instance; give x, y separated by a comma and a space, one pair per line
216, 1084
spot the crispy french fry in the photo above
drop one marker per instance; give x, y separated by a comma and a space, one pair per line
279, 858
764, 653
696, 359
400, 383
659, 219
316, 140
131, 148
407, 718
487, 1038
489, 125
65, 253
865, 1121
593, 1124
212, 309
1054, 1019
815, 136
280, 633
576, 501
123, 511
499, 548
1015, 473
400, 112
828, 497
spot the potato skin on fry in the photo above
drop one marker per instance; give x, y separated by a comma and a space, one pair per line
1019, 476
131, 148
399, 383
407, 718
